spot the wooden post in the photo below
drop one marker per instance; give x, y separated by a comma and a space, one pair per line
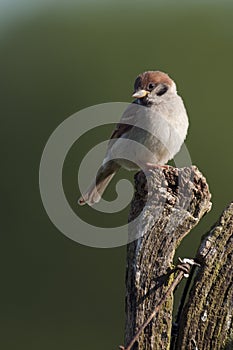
170, 203
206, 321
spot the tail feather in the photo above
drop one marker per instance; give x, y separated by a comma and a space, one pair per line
97, 188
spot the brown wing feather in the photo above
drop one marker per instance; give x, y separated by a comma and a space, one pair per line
123, 126
120, 130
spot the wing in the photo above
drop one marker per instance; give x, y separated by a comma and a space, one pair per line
120, 129
126, 123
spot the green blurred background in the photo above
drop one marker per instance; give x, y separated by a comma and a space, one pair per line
58, 57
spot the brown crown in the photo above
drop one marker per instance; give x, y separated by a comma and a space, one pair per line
156, 77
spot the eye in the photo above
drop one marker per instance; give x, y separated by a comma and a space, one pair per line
151, 86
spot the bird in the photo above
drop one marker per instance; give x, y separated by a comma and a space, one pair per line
150, 132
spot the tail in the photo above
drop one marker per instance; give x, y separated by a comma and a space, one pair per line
97, 188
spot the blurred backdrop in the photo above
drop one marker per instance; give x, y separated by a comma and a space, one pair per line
58, 57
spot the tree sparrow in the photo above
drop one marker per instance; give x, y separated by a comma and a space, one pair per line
151, 131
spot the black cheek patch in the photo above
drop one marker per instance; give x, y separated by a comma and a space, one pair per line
162, 90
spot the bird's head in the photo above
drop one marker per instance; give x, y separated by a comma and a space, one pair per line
152, 87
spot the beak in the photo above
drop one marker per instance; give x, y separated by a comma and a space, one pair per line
140, 93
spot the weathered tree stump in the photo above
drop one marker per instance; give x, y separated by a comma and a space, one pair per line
170, 203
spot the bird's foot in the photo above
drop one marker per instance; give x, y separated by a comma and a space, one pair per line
150, 166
